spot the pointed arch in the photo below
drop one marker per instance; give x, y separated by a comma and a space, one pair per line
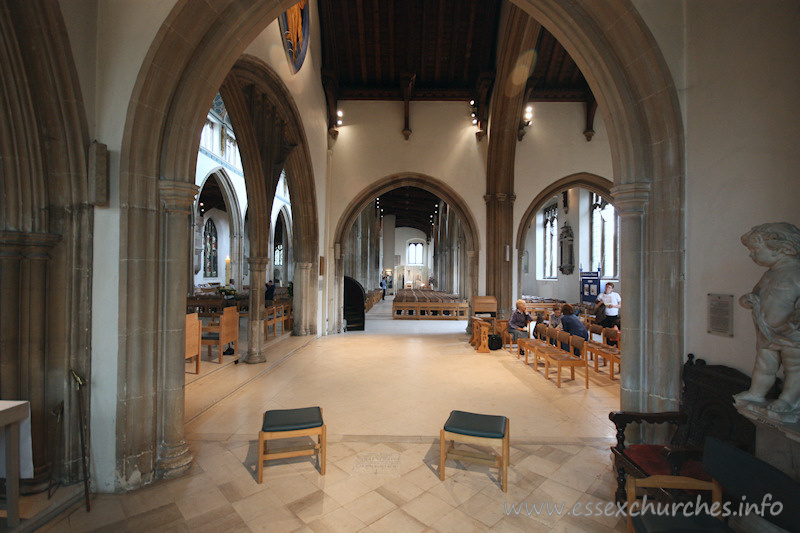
389, 183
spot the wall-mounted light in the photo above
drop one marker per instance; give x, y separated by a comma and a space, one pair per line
527, 118
339, 114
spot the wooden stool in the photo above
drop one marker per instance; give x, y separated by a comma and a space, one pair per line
472, 428
289, 423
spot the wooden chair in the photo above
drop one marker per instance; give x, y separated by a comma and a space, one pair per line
705, 409
223, 332
471, 428
744, 478
610, 354
534, 344
290, 423
193, 334
562, 358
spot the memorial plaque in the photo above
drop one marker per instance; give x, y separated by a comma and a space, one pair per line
720, 314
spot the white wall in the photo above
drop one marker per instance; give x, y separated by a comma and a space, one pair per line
743, 85
443, 145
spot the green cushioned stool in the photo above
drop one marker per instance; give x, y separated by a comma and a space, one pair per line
472, 428
287, 424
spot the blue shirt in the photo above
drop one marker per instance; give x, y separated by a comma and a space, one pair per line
573, 325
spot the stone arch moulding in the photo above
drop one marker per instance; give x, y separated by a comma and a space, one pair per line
158, 155
288, 257
170, 98
384, 185
235, 217
636, 95
584, 180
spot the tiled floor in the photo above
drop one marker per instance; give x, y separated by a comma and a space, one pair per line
385, 394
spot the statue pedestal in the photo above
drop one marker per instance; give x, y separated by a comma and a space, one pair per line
777, 442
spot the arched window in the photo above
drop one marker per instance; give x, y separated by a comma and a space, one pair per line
415, 253
279, 255
210, 250
207, 137
550, 241
604, 224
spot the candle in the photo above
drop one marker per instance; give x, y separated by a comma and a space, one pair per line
227, 269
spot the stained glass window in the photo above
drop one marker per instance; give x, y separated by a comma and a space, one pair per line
210, 250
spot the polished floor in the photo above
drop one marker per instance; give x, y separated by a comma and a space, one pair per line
385, 393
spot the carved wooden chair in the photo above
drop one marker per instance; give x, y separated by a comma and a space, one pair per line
706, 409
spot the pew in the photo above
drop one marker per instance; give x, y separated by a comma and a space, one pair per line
220, 333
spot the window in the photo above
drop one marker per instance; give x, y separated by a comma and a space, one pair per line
279, 255
604, 225
550, 233
207, 137
415, 253
210, 250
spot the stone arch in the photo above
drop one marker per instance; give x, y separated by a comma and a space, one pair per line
193, 51
384, 185
288, 258
584, 180
235, 217
636, 95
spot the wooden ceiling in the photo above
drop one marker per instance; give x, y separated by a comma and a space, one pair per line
373, 49
411, 206
430, 50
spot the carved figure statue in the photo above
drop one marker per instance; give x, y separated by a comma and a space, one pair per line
775, 303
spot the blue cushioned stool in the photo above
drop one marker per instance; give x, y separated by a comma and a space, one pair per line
289, 423
472, 428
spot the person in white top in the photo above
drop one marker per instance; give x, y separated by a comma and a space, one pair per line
612, 302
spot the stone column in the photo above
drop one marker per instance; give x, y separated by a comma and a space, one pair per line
630, 200
499, 237
255, 324
472, 284
176, 199
304, 290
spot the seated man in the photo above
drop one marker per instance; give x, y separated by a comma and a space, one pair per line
269, 293
572, 324
518, 323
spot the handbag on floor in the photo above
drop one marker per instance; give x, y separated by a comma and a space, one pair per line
495, 342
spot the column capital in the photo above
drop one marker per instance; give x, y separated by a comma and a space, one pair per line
631, 198
500, 197
33, 245
258, 263
177, 196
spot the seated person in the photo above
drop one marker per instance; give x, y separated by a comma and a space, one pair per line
555, 318
269, 293
572, 324
518, 322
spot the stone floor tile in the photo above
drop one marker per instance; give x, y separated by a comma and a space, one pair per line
370, 507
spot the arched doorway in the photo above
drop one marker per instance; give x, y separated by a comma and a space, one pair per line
637, 98
389, 183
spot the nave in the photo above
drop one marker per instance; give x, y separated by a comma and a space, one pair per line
385, 393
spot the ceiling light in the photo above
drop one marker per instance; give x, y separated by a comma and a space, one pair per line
339, 122
339, 113
472, 102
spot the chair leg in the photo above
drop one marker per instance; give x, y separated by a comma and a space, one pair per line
586, 367
260, 455
442, 454
559, 375
323, 447
506, 454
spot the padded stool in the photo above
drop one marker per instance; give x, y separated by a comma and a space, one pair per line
473, 428
289, 423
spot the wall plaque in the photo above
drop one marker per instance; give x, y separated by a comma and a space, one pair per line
720, 314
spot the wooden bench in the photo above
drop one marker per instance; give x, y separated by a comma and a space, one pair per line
193, 345
706, 409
